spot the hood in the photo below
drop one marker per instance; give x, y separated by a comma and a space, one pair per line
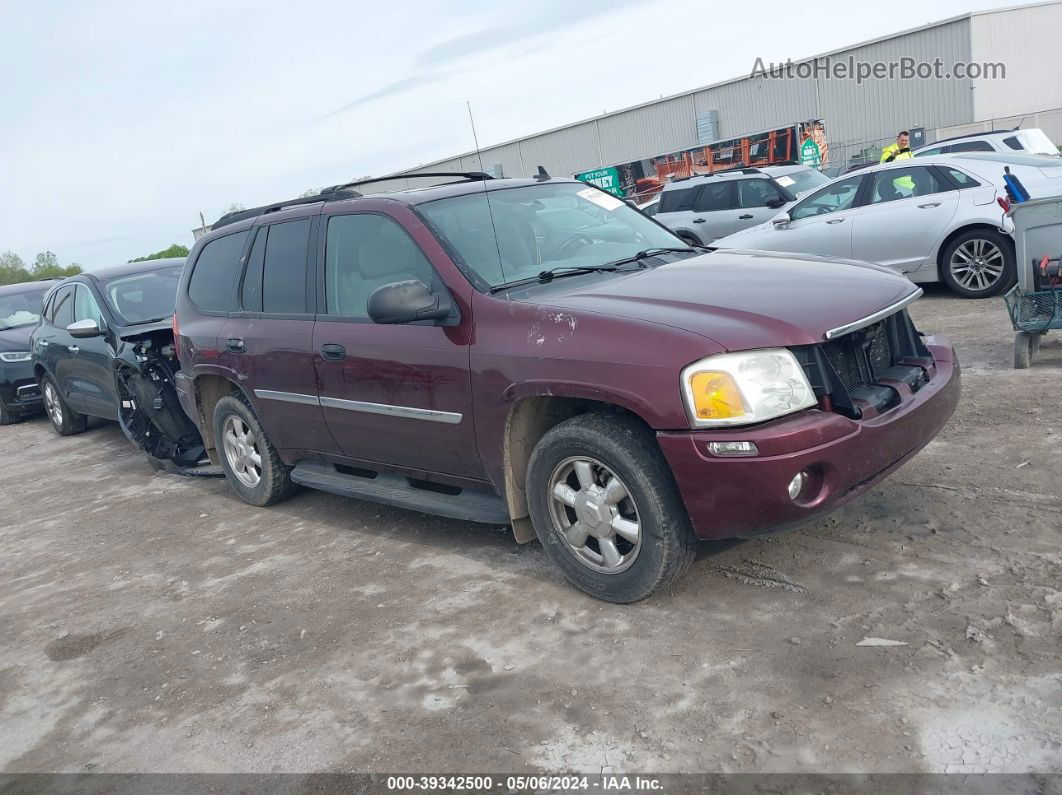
747, 299
16, 339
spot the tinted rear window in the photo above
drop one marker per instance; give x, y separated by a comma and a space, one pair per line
213, 281
284, 273
676, 201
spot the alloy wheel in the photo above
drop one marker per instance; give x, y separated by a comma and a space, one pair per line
977, 264
241, 451
594, 514
52, 405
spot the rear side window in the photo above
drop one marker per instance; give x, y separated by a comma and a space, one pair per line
1013, 142
960, 178
677, 201
971, 146
284, 269
63, 306
713, 196
213, 281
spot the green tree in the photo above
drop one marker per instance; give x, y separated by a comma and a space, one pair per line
176, 250
12, 269
46, 266
235, 207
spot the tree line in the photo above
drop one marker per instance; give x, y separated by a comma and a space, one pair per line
46, 265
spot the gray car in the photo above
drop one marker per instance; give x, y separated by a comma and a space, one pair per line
937, 218
704, 207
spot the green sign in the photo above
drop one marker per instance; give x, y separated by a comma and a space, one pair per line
810, 154
607, 179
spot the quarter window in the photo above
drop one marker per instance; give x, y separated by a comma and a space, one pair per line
284, 268
213, 282
365, 252
836, 196
1013, 142
961, 178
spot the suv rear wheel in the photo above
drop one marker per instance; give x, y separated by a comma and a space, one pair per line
65, 420
251, 464
606, 509
978, 264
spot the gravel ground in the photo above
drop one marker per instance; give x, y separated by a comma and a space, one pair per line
150, 622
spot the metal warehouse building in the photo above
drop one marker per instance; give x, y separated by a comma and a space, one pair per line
858, 118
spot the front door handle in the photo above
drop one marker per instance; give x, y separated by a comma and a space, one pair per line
73, 348
236, 345
698, 220
835, 221
745, 217
333, 352
931, 204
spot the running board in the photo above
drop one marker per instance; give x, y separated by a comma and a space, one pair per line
466, 504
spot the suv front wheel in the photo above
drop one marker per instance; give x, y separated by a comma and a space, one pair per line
251, 464
606, 509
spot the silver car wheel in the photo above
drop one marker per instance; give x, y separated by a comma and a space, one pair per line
977, 264
241, 451
594, 514
52, 405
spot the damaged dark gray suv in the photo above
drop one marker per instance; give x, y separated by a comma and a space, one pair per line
103, 347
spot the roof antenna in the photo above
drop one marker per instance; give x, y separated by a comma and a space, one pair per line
1020, 123
486, 193
542, 175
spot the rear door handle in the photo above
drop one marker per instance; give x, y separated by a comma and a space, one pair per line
73, 349
236, 345
333, 352
835, 221
745, 217
931, 204
698, 220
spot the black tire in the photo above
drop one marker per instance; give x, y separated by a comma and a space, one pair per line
65, 421
1023, 349
626, 447
274, 476
8, 417
1005, 280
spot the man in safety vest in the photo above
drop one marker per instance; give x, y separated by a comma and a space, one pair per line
901, 150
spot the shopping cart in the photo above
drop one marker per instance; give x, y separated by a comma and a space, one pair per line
1035, 302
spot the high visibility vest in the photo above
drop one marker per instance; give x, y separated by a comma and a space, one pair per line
890, 151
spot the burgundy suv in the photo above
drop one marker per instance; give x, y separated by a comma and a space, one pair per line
541, 354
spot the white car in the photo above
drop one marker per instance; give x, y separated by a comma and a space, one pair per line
940, 218
1033, 141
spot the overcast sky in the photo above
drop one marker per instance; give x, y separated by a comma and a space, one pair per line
121, 121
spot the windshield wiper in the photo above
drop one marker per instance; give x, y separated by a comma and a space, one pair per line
546, 276
651, 252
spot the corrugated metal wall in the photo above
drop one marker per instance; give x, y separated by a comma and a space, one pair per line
856, 115
1026, 40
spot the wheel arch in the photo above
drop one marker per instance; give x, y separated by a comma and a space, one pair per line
208, 390
953, 234
529, 419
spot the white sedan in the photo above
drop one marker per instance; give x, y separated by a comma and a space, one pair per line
940, 218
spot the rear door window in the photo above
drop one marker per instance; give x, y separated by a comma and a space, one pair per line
971, 146
677, 201
284, 268
212, 286
713, 197
251, 292
63, 306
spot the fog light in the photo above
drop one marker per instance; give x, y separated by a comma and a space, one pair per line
796, 485
733, 448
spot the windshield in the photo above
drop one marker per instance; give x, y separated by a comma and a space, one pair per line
143, 297
527, 230
797, 182
21, 309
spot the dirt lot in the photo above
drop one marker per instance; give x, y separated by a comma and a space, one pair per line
155, 623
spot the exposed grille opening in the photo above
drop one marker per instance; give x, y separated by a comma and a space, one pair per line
355, 471
851, 367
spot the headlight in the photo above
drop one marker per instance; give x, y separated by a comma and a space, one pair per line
15, 356
747, 387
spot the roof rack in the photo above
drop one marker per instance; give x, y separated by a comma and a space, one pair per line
338, 192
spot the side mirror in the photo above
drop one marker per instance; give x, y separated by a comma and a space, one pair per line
84, 329
781, 221
407, 302
777, 201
